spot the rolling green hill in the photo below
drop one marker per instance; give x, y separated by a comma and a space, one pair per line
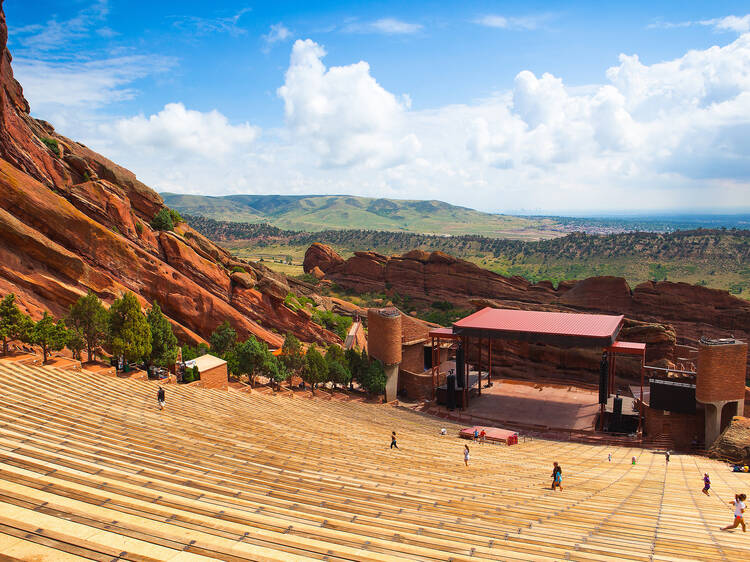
314, 213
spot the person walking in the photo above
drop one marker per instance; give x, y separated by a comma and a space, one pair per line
706, 483
393, 440
739, 510
161, 398
632, 461
466, 455
476, 434
666, 457
482, 436
556, 476
609, 457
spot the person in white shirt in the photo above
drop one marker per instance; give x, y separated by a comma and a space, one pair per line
466, 455
739, 510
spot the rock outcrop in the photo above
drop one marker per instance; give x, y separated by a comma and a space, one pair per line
734, 442
73, 221
322, 256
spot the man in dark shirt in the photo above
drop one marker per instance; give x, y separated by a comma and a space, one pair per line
160, 396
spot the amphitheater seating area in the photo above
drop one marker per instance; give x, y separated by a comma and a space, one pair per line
90, 468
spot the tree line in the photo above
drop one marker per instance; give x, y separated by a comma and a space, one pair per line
314, 366
727, 245
124, 328
136, 336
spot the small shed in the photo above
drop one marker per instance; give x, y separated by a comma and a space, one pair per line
213, 371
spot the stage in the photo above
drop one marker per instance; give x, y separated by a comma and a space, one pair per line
553, 406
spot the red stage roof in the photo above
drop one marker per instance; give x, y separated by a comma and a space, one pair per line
560, 328
628, 347
446, 333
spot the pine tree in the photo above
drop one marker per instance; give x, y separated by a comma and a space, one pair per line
315, 370
75, 343
250, 356
129, 332
292, 356
88, 317
223, 339
51, 336
163, 340
14, 324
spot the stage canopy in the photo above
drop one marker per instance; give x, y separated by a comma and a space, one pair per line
556, 328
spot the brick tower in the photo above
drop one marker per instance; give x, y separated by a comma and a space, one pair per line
720, 382
384, 343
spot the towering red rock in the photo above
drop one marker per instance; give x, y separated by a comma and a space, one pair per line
72, 221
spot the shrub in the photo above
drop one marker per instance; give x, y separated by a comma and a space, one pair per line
52, 145
238, 269
189, 353
338, 324
374, 378
139, 227
162, 220
176, 217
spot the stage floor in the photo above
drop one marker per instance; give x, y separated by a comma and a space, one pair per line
554, 406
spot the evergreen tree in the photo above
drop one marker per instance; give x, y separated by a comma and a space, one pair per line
223, 339
88, 318
292, 356
374, 378
14, 324
51, 336
163, 220
129, 332
274, 369
163, 340
338, 374
75, 343
250, 357
338, 366
315, 369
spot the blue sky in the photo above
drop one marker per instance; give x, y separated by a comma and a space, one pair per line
501, 106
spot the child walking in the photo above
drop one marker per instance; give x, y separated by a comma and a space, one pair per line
393, 440
739, 510
706, 483
466, 455
556, 476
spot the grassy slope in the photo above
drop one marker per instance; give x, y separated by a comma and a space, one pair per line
319, 212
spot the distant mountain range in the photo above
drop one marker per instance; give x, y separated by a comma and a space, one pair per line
314, 213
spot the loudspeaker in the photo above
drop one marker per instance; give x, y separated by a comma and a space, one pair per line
603, 380
617, 406
450, 398
460, 367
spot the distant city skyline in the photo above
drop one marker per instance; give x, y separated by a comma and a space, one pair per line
564, 108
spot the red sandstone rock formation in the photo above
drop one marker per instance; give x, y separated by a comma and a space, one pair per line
655, 310
322, 256
76, 221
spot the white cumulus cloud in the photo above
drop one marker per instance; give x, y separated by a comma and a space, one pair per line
179, 132
345, 116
